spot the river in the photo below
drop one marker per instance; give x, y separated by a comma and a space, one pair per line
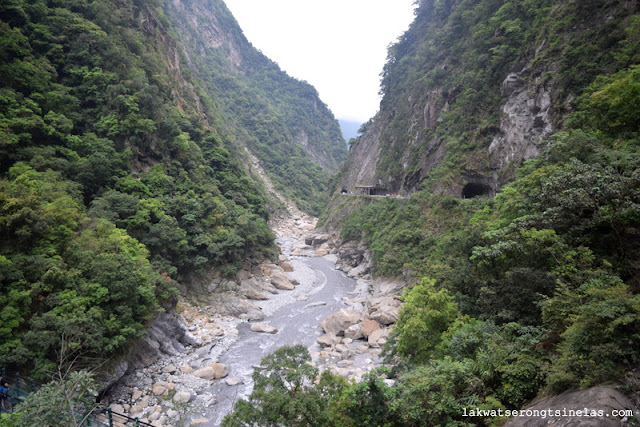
297, 323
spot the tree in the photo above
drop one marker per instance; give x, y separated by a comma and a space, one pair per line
425, 316
69, 399
284, 392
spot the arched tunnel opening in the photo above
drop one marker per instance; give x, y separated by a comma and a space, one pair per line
473, 189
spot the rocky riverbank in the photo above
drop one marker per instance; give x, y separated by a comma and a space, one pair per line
173, 386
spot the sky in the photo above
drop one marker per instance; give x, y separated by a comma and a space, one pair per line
338, 46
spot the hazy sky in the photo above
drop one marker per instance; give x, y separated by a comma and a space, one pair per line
339, 46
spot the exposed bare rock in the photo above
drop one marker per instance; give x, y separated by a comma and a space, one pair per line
286, 267
167, 337
382, 287
186, 369
317, 240
256, 296
206, 373
354, 332
378, 338
328, 340
264, 328
369, 326
214, 371
220, 369
169, 369
336, 323
321, 252
597, 398
182, 397
160, 389
233, 381
280, 281
384, 309
232, 305
527, 119
252, 289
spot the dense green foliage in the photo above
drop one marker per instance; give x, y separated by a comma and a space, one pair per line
443, 81
283, 393
282, 120
69, 400
535, 288
118, 179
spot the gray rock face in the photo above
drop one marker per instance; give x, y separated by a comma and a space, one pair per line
597, 398
232, 305
252, 289
167, 337
527, 120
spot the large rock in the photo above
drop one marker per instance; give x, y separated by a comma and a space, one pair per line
262, 327
182, 397
232, 305
369, 326
377, 338
280, 281
169, 369
354, 332
327, 340
286, 267
320, 239
220, 369
206, 373
598, 398
252, 289
336, 323
160, 389
214, 371
384, 310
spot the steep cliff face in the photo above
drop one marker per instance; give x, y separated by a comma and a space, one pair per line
280, 119
473, 88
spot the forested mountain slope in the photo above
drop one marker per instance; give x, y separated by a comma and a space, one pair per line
533, 291
282, 120
123, 166
474, 87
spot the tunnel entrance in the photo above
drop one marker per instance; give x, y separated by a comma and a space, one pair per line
473, 189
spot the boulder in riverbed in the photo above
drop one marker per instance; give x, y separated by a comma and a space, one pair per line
327, 340
354, 332
264, 328
336, 323
280, 281
384, 310
369, 326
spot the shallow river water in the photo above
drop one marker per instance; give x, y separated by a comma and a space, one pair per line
297, 323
